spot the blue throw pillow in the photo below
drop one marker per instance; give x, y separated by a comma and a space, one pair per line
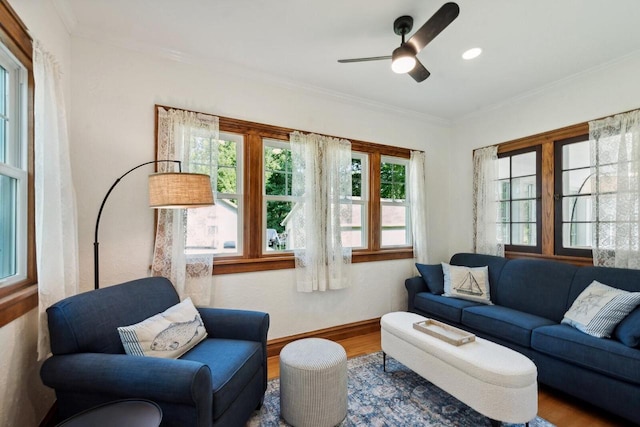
433, 277
628, 331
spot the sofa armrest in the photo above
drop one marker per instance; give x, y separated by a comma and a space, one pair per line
414, 286
161, 380
235, 324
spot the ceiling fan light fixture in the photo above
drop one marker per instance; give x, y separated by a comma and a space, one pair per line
403, 59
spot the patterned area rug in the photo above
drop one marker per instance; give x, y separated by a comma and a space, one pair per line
398, 397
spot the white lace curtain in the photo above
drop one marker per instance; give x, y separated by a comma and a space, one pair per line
485, 202
615, 149
322, 189
56, 215
418, 204
179, 132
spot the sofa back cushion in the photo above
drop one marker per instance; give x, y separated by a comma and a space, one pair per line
88, 322
495, 264
621, 278
537, 287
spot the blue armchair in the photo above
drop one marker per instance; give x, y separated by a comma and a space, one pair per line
219, 382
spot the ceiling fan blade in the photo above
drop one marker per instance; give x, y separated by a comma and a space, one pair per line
419, 73
372, 58
434, 26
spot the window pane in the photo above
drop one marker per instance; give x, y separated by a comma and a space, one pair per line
394, 226
504, 188
577, 209
523, 188
524, 234
214, 228
8, 207
277, 171
576, 155
392, 181
227, 167
356, 178
504, 168
576, 181
504, 212
278, 236
577, 235
4, 83
523, 164
523, 211
504, 233
351, 221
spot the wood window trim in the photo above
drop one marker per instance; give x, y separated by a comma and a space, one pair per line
253, 259
546, 141
20, 298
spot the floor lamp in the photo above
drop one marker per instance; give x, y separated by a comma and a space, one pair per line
171, 190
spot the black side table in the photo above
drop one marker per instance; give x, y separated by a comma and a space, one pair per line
119, 413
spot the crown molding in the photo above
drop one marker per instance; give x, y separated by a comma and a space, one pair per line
253, 74
66, 14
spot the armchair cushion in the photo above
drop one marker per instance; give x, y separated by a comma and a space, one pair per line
236, 363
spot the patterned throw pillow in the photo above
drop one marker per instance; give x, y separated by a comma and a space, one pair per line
470, 283
599, 308
169, 334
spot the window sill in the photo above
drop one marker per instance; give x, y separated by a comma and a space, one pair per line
244, 265
18, 303
579, 261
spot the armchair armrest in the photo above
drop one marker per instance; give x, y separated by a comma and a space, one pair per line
235, 324
162, 380
414, 286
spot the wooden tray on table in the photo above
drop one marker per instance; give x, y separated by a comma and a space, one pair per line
444, 332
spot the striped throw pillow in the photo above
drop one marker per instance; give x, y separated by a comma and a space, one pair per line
599, 308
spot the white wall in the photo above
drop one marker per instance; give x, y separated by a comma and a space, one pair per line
24, 400
114, 92
609, 89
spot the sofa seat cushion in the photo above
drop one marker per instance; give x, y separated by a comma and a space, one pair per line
233, 365
508, 324
445, 308
606, 356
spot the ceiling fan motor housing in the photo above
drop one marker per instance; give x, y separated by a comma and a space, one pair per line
403, 25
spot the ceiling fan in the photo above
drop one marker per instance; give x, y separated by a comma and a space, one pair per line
403, 59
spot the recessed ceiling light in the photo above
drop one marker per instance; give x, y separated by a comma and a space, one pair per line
472, 53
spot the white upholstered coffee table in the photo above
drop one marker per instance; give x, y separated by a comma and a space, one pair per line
495, 381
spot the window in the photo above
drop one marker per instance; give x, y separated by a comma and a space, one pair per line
18, 293
544, 188
519, 201
247, 227
394, 222
573, 203
13, 170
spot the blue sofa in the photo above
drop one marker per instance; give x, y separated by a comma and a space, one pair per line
219, 382
530, 298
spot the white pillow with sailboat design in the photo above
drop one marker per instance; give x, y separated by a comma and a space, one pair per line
169, 334
470, 283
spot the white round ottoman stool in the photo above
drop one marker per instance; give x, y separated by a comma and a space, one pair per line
313, 383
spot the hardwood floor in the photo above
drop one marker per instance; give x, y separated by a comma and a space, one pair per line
561, 410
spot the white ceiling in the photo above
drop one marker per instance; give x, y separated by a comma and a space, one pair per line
526, 44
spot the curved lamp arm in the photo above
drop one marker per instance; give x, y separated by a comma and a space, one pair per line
96, 274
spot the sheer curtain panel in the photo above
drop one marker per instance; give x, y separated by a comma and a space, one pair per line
322, 189
485, 202
180, 132
615, 148
55, 200
418, 204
